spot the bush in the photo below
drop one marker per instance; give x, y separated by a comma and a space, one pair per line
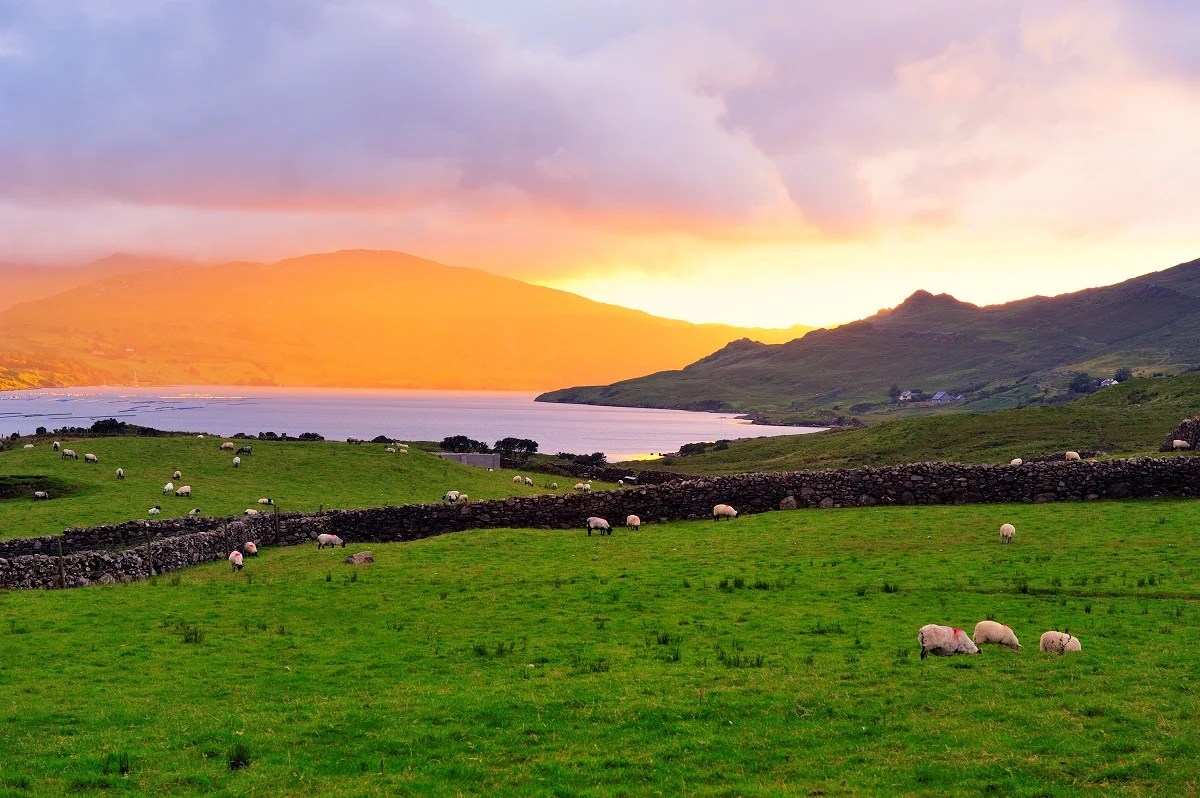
461, 443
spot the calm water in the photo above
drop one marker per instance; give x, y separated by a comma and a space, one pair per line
619, 432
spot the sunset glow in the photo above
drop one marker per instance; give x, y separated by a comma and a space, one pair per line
761, 164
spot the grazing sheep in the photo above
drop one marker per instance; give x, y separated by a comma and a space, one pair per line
177, 475
170, 486
723, 511
587, 487
27, 446
324, 540
1006, 533
517, 480
41, 495
595, 522
578, 486
250, 548
1058, 643
528, 482
249, 511
192, 513
245, 450
1069, 456
266, 501
237, 461
553, 486
69, 454
942, 641
120, 473
998, 633
1178, 444
56, 446
155, 510
620, 482
184, 490
91, 458
228, 446
633, 522
451, 496
390, 450
235, 560
1016, 461
464, 498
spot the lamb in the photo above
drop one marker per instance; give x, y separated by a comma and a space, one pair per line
250, 548
1058, 643
184, 490
170, 486
227, 446
120, 473
192, 513
235, 560
1178, 444
27, 446
1016, 461
155, 510
1006, 533
528, 482
451, 496
56, 446
249, 511
595, 522
633, 522
1069, 456
177, 475
517, 480
724, 511
41, 495
942, 641
69, 454
91, 458
998, 633
266, 501
324, 540
237, 461
245, 450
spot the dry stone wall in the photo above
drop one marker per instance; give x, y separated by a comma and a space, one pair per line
1188, 430
176, 544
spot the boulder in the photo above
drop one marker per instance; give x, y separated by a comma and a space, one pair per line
360, 558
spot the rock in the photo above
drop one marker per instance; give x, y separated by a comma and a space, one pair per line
827, 502
360, 558
788, 503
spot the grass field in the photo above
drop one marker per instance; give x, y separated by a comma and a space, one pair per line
298, 476
772, 655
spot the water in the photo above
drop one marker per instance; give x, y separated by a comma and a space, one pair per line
620, 432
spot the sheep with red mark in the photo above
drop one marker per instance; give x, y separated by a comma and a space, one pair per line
633, 522
944, 641
251, 548
235, 560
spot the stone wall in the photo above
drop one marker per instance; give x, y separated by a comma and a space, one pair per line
1188, 430
177, 544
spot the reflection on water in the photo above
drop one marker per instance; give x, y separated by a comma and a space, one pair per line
619, 432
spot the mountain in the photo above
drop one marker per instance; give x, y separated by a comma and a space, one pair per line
995, 356
24, 283
351, 319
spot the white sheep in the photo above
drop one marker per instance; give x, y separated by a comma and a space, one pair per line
56, 446
942, 641
1069, 456
517, 480
192, 513
578, 486
1058, 643
553, 486
251, 548
529, 482
587, 487
266, 501
595, 522
235, 560
723, 511
170, 486
620, 482
1178, 444
325, 539
1006, 533
633, 522
177, 475
1016, 461
237, 461
390, 450
69, 454
997, 633
27, 446
41, 495
249, 511
450, 496
155, 510
464, 498
120, 473
228, 445
183, 490
91, 458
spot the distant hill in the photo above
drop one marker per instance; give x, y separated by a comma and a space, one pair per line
23, 283
995, 356
352, 319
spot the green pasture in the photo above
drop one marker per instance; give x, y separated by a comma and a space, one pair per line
772, 655
298, 476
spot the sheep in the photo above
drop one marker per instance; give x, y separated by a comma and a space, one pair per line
228, 446
1006, 533
1069, 456
177, 475
120, 473
266, 501
170, 486
553, 486
1178, 444
578, 486
324, 540
450, 496
245, 450
27, 446
41, 495
724, 511
237, 461
155, 510
235, 560
184, 490
517, 480
251, 548
56, 446
390, 450
192, 513
464, 498
1016, 461
621, 482
1058, 643
633, 522
91, 458
595, 522
587, 487
998, 633
942, 641
69, 454
528, 482
249, 511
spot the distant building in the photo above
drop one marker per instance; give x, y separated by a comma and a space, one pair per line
906, 396
472, 459
940, 398
1106, 383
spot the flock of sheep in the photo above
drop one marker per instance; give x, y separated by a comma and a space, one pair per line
944, 641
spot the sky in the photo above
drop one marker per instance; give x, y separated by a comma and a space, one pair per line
754, 162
